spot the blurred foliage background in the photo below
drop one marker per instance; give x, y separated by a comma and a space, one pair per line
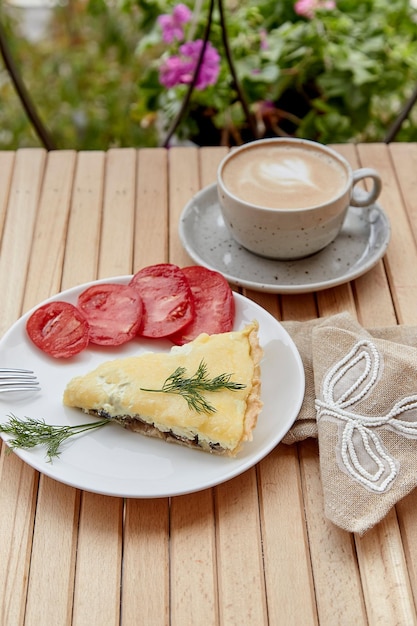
82, 76
342, 75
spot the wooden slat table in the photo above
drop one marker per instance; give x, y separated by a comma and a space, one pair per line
256, 550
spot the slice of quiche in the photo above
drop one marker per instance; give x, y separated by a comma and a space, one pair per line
204, 394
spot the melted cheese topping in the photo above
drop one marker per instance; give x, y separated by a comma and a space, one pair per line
117, 389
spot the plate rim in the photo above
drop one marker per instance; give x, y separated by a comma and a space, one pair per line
39, 462
277, 288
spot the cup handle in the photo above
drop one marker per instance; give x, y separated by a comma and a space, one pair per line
361, 197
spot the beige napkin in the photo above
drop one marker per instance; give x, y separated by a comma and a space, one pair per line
361, 403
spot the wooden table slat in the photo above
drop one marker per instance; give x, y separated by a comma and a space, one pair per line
6, 169
18, 491
242, 590
151, 221
18, 232
287, 557
48, 248
146, 562
99, 556
84, 227
118, 221
193, 585
52, 567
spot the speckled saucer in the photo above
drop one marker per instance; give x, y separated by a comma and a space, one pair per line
361, 243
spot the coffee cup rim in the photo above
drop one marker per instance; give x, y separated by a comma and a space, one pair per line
292, 140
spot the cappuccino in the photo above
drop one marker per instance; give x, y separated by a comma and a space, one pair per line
284, 176
288, 198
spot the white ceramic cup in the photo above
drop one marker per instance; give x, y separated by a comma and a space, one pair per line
288, 198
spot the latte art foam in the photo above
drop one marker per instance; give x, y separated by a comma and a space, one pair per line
284, 177
291, 172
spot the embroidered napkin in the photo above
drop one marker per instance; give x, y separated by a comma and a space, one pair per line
361, 403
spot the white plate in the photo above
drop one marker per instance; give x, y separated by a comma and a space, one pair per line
362, 241
116, 462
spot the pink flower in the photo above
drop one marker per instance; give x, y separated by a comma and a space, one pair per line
179, 69
172, 72
173, 25
308, 8
263, 36
210, 66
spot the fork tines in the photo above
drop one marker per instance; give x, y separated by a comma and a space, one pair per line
17, 379
16, 371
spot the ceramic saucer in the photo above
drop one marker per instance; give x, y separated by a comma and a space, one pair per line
362, 241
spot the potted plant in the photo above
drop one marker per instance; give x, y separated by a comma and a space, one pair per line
330, 70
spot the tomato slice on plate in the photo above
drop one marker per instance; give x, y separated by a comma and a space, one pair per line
167, 299
213, 303
58, 329
113, 312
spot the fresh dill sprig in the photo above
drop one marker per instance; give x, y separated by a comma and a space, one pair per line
29, 432
190, 388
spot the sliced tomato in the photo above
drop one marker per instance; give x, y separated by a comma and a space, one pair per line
167, 299
213, 303
113, 312
58, 329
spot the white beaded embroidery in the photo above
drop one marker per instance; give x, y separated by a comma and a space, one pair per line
358, 429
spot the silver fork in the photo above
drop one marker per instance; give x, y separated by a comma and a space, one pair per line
14, 379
